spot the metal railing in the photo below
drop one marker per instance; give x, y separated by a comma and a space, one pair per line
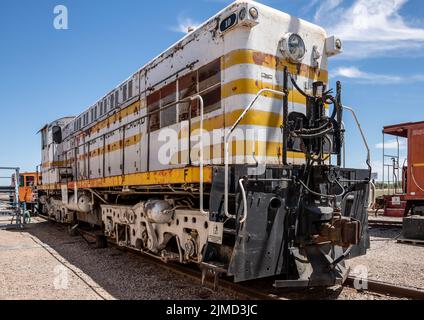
226, 150
17, 217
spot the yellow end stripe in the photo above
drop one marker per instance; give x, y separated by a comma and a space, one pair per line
163, 177
244, 56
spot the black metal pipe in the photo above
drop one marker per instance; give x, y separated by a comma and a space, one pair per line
339, 121
285, 114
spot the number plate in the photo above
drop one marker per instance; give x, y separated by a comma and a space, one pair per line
227, 23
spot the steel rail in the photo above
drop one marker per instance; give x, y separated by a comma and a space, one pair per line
241, 291
386, 288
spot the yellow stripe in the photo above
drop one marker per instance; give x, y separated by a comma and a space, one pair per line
133, 140
163, 177
253, 118
119, 116
252, 86
239, 148
418, 165
270, 61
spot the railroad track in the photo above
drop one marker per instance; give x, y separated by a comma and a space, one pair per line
388, 289
388, 224
262, 289
240, 291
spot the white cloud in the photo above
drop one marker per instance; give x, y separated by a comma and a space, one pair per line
392, 145
367, 77
371, 27
184, 24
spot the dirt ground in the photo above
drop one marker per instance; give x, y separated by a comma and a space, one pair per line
44, 262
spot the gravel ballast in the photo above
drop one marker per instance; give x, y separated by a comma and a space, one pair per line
45, 262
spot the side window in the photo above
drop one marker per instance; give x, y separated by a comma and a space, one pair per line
116, 98
112, 101
29, 181
21, 180
130, 89
44, 139
153, 102
105, 106
187, 87
168, 95
124, 93
209, 80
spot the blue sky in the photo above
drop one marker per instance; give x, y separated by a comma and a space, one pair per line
47, 73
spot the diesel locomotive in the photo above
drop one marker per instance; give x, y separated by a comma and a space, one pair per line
225, 151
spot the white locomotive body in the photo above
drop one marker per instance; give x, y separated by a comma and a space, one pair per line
147, 162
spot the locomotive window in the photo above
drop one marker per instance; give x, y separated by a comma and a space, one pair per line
116, 98
153, 102
130, 89
124, 93
168, 95
212, 100
21, 180
44, 139
111, 101
187, 87
29, 181
210, 76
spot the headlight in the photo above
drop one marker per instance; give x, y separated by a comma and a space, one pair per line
293, 47
254, 13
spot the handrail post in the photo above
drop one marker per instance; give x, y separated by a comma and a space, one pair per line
364, 139
201, 160
227, 141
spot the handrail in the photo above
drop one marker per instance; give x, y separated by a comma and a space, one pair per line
201, 160
227, 141
364, 139
243, 192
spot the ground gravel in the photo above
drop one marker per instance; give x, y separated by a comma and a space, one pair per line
33, 260
390, 261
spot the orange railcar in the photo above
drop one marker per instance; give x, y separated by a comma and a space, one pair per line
27, 183
413, 173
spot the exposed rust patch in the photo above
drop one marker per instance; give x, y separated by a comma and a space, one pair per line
259, 57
